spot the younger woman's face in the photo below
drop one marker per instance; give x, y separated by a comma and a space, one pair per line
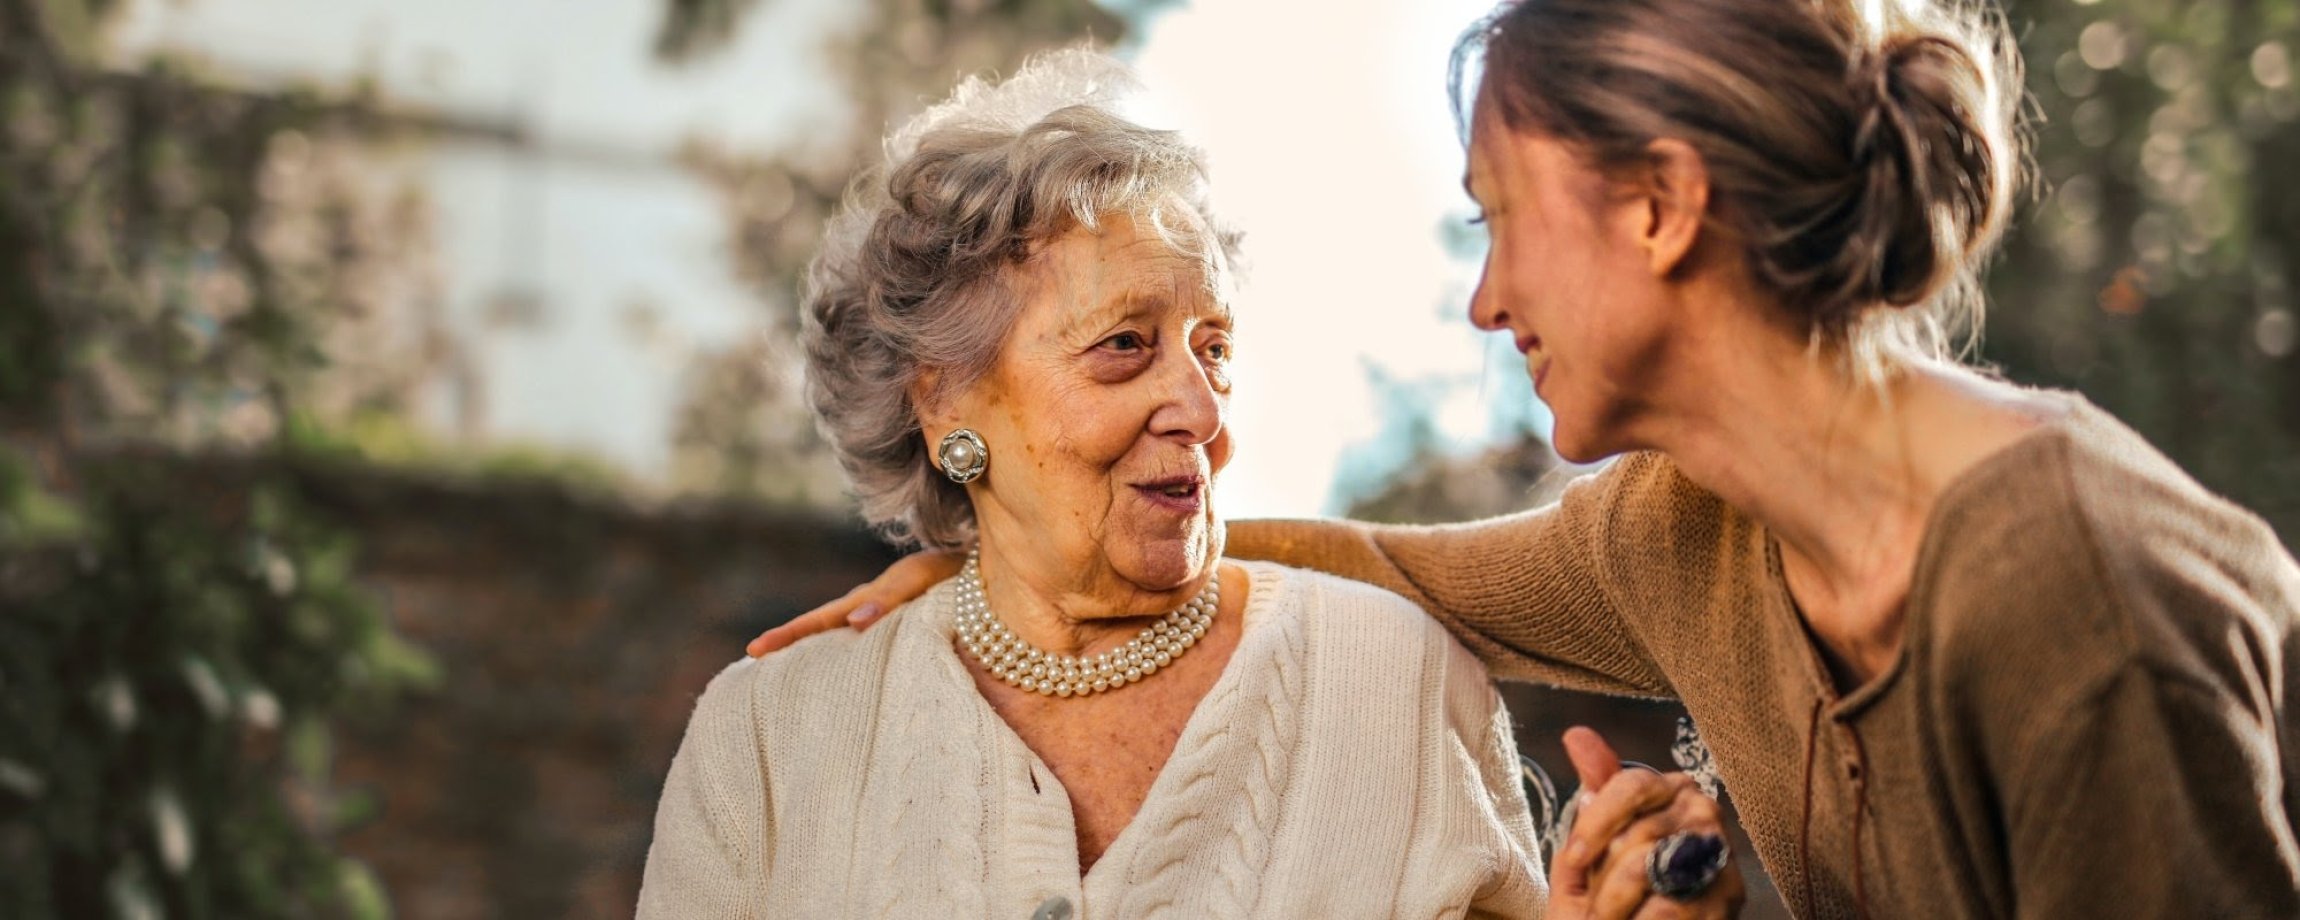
1566, 278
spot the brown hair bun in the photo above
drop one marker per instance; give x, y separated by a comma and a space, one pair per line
1865, 165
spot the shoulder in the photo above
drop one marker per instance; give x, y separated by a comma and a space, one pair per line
1287, 592
727, 698
1285, 586
2145, 512
817, 679
1639, 490
1380, 650
1650, 504
2191, 570
1649, 483
2084, 544
1354, 620
1659, 540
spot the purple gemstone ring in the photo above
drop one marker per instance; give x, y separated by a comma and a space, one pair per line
1683, 865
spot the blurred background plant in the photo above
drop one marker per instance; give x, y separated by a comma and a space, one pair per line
304, 613
183, 267
2155, 270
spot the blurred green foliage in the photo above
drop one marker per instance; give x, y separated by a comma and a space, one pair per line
169, 670
174, 650
2153, 271
392, 439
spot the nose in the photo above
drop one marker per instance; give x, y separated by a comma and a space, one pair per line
1194, 403
1485, 309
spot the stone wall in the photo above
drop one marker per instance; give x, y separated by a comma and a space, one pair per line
574, 633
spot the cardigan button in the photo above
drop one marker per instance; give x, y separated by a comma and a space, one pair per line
1054, 908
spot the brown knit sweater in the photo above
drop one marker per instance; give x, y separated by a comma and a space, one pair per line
2092, 714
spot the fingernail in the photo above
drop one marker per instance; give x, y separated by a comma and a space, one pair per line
1573, 851
867, 612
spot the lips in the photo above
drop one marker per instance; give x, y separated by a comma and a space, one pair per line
1186, 493
1527, 343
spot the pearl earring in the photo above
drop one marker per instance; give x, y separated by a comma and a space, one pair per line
963, 455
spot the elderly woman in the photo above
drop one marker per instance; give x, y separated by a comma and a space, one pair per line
1018, 341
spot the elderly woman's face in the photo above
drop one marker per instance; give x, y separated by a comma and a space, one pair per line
1106, 418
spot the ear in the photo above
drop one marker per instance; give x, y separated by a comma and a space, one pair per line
1676, 191
931, 404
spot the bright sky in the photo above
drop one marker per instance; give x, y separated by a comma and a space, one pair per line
1326, 124
1332, 144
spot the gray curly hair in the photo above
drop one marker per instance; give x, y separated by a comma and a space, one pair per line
919, 270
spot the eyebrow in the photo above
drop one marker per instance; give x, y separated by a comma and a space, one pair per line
1125, 302
1138, 300
1107, 311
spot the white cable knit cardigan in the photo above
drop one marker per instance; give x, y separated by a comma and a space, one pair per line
1351, 761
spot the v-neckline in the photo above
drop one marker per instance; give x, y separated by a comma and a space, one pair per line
1845, 703
1262, 582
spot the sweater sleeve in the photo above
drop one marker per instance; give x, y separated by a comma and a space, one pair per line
2120, 644
1523, 592
1518, 887
708, 859
2161, 804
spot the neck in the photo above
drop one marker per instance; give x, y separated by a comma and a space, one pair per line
1843, 472
1823, 461
1063, 614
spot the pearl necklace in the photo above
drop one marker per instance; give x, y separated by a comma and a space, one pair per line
1017, 662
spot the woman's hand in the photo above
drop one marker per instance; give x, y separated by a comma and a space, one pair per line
907, 578
1622, 816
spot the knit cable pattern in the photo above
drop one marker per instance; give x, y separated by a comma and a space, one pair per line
1227, 788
